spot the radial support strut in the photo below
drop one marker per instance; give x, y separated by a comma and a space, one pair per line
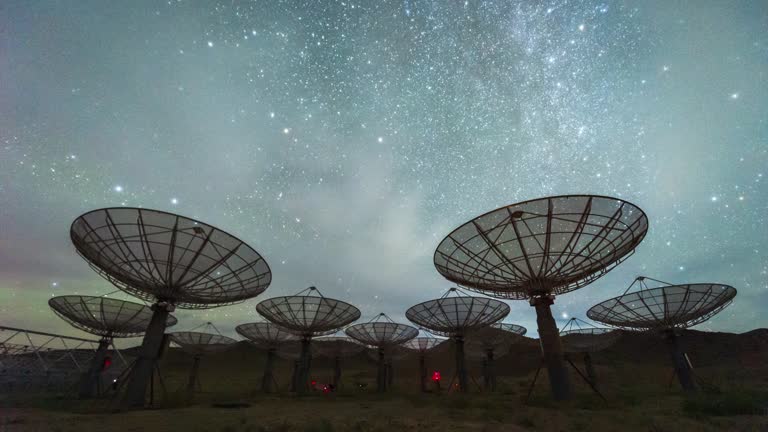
89, 383
149, 352
552, 349
680, 362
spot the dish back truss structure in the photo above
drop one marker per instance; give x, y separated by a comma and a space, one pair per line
336, 347
667, 309
422, 345
170, 260
270, 337
492, 342
541, 248
34, 361
307, 314
381, 332
105, 317
198, 344
454, 317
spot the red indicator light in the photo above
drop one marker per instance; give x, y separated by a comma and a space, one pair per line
106, 364
436, 376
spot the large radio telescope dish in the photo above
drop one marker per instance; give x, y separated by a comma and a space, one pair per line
666, 309
307, 316
171, 260
382, 333
156, 255
105, 317
541, 248
423, 344
454, 316
545, 246
451, 316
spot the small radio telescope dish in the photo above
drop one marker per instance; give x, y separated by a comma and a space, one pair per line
308, 314
541, 248
381, 332
105, 317
490, 343
586, 339
170, 260
267, 336
454, 317
667, 308
336, 347
422, 345
198, 344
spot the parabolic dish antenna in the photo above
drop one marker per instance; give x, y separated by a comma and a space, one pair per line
454, 317
541, 248
198, 344
666, 308
490, 343
105, 317
267, 336
336, 347
170, 260
586, 339
422, 345
381, 332
307, 314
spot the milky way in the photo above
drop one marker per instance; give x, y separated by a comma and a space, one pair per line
344, 140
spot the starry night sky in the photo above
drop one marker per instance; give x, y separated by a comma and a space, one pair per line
344, 140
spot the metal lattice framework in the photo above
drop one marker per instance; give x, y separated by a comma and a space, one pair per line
450, 316
103, 316
308, 315
156, 255
381, 331
198, 343
545, 246
578, 339
336, 346
35, 361
665, 307
265, 335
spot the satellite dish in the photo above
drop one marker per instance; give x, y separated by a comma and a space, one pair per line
586, 339
454, 317
199, 343
489, 343
422, 345
105, 317
381, 332
170, 260
307, 314
267, 336
541, 248
666, 309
